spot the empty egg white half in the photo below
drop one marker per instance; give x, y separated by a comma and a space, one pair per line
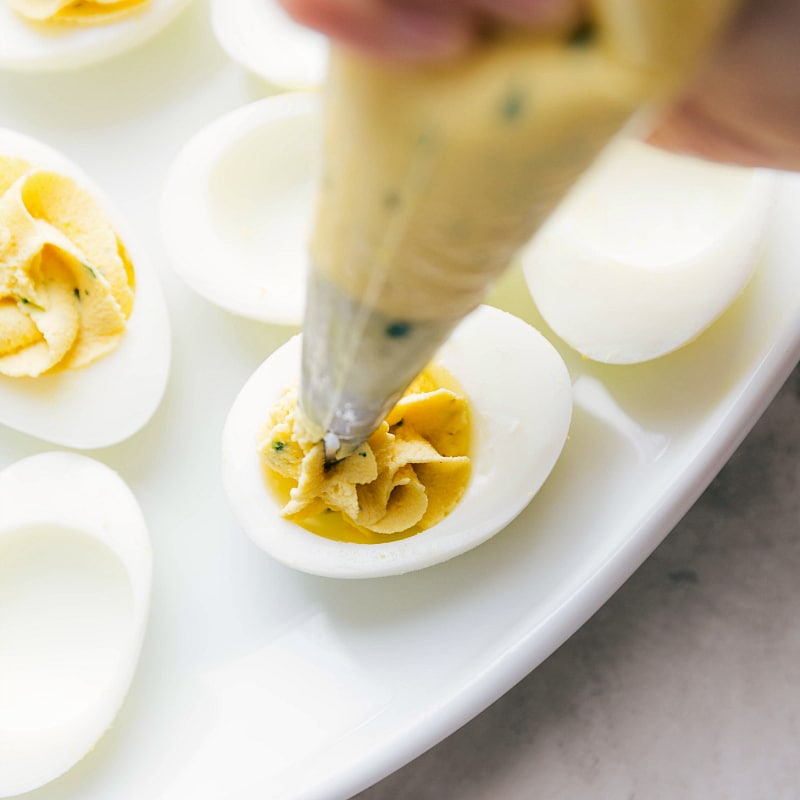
29, 46
262, 37
107, 401
521, 403
237, 207
75, 574
647, 251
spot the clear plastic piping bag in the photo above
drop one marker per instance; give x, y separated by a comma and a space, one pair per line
435, 176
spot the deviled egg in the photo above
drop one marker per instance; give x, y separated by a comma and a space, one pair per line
647, 251
520, 398
84, 348
262, 37
53, 35
75, 575
237, 207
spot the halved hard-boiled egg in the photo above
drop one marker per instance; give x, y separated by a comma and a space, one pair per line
647, 251
80, 33
237, 207
261, 36
75, 575
520, 398
115, 363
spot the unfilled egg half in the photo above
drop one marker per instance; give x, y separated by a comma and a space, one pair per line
521, 403
647, 251
75, 574
237, 207
260, 35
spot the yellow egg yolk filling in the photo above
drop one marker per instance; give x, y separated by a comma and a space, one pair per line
407, 477
66, 283
80, 12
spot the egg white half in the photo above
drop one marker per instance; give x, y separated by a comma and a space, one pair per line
75, 576
647, 251
262, 37
237, 207
521, 401
113, 398
44, 47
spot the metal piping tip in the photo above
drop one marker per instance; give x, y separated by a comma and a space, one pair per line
356, 363
339, 446
331, 444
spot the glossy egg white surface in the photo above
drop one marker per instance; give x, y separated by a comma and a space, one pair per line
75, 573
113, 398
237, 207
42, 47
647, 251
521, 403
262, 37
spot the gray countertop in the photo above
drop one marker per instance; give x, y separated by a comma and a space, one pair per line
686, 684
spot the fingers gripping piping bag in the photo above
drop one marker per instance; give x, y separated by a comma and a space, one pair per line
435, 176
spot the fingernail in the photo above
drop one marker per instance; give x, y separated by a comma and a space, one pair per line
419, 32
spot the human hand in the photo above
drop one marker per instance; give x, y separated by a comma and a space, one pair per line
743, 105
422, 30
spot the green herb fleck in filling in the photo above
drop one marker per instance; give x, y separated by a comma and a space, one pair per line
391, 200
583, 35
34, 306
513, 105
398, 330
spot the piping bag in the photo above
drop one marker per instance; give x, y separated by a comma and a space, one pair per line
435, 176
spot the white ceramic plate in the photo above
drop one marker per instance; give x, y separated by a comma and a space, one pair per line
258, 681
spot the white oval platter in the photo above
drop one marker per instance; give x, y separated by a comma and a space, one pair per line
259, 681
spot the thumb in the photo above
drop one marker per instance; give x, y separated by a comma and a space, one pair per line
743, 105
